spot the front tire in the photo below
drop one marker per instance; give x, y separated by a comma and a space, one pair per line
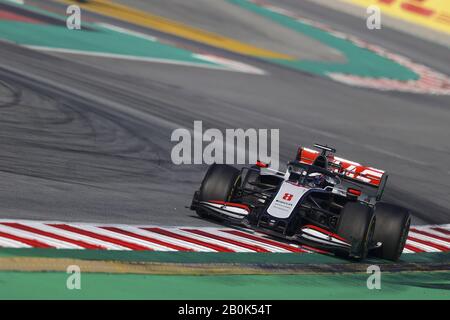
356, 224
218, 184
391, 230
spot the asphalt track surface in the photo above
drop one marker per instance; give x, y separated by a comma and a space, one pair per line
230, 20
88, 139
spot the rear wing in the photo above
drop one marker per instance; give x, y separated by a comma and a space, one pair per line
354, 173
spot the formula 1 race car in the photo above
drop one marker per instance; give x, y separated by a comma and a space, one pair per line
321, 201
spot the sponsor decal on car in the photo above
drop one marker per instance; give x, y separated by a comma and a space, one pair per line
286, 199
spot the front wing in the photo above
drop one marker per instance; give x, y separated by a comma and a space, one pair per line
309, 235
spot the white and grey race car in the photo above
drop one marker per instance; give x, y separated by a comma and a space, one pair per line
320, 201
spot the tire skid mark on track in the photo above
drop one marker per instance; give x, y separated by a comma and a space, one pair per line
63, 235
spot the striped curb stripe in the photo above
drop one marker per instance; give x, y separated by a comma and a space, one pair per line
61, 235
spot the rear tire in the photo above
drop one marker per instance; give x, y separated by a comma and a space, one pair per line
391, 230
356, 224
218, 184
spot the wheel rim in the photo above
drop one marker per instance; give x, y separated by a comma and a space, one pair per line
233, 190
404, 237
369, 236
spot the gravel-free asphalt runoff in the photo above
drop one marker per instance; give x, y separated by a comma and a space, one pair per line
88, 139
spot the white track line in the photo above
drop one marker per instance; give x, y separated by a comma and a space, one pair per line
127, 31
222, 61
20, 2
232, 64
131, 58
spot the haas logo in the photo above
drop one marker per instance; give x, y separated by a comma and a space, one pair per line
287, 196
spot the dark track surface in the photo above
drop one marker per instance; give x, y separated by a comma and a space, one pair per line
89, 139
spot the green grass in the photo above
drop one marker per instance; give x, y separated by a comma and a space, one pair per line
52, 285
